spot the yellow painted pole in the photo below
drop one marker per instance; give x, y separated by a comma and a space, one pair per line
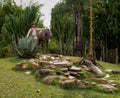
91, 31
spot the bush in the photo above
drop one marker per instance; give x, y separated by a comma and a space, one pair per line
5, 52
53, 47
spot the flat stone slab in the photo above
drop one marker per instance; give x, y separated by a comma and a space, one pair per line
74, 68
107, 86
116, 71
62, 63
100, 80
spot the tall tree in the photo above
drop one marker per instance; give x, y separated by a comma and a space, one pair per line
107, 19
8, 8
62, 27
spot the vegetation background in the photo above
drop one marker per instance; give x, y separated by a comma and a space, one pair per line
70, 28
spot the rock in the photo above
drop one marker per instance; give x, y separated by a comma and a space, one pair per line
62, 63
93, 83
31, 60
74, 68
44, 62
53, 58
107, 86
35, 65
38, 90
36, 60
72, 73
71, 77
81, 84
21, 66
63, 78
100, 80
45, 71
80, 73
107, 76
67, 74
52, 66
44, 58
115, 85
64, 69
60, 56
116, 71
111, 81
25, 66
108, 70
28, 72
51, 63
68, 81
49, 79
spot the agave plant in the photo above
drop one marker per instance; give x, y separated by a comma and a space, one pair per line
26, 47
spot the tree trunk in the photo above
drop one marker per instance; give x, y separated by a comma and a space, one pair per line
91, 67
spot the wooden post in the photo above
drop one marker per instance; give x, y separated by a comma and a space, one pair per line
91, 31
85, 48
103, 54
116, 52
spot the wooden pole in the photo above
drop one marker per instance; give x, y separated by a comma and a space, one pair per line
91, 31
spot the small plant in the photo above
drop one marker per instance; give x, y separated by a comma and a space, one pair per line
59, 72
68, 86
55, 81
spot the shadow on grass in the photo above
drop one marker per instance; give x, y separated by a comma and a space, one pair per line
15, 59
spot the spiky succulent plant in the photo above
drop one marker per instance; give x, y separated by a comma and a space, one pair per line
27, 47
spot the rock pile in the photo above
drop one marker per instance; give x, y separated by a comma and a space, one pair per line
58, 68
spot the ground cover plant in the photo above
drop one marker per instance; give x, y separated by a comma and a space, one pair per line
17, 84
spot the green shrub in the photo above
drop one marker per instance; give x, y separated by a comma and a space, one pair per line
53, 47
5, 52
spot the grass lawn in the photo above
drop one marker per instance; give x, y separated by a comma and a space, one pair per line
17, 84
